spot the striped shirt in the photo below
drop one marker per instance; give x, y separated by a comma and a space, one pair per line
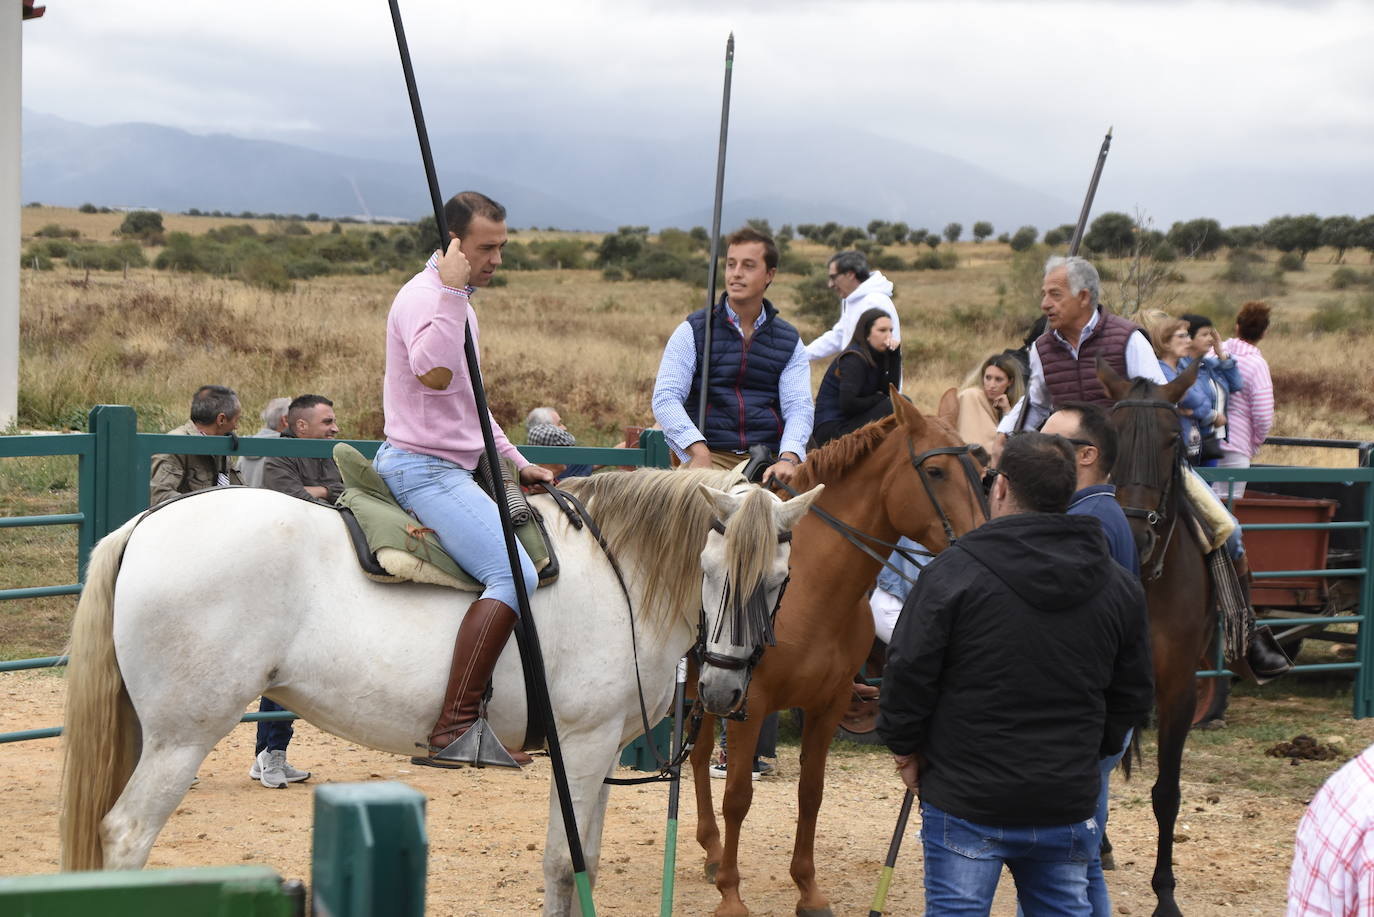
1250, 411
674, 384
1333, 860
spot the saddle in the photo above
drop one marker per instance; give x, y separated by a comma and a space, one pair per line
391, 544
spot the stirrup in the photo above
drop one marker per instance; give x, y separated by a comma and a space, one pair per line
477, 747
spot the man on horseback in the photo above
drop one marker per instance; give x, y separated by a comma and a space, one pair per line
433, 444
759, 378
1063, 359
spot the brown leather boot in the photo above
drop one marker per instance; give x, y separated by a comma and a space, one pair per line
481, 637
1263, 654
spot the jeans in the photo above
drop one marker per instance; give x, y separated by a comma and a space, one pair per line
273, 735
444, 497
964, 860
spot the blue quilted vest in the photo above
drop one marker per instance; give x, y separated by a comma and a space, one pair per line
742, 407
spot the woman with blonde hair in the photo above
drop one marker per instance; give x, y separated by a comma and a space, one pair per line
989, 392
1172, 343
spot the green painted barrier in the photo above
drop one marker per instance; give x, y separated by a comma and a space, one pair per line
227, 891
370, 850
640, 756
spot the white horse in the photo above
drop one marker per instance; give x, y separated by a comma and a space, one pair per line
165, 656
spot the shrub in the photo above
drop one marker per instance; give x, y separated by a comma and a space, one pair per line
1112, 234
1244, 256
657, 264
1059, 234
88, 208
315, 266
620, 247
1291, 261
793, 263
263, 270
53, 248
35, 259
1335, 315
1197, 237
54, 231
1164, 252
1345, 277
1004, 238
516, 256
981, 230
345, 247
613, 274
1105, 272
816, 300
231, 233
561, 253
953, 231
935, 261
889, 262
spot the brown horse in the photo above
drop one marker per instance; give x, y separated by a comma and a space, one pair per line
883, 480
1149, 486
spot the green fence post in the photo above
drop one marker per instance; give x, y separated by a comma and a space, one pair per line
370, 850
1364, 676
655, 446
120, 493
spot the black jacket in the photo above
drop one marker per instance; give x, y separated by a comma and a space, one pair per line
1021, 657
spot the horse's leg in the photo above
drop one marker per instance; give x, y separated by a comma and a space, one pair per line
817, 730
1176, 694
588, 758
742, 738
708, 831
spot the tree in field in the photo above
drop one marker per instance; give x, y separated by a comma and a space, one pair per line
1244, 236
785, 234
874, 227
932, 240
142, 224
1059, 234
1196, 237
621, 246
1024, 238
981, 230
1364, 236
849, 235
809, 231
899, 231
760, 224
953, 231
1339, 233
917, 236
1298, 234
1113, 234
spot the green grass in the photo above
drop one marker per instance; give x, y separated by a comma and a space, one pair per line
37, 556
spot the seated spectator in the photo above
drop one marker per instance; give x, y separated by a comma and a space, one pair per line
273, 423
215, 411
988, 395
854, 390
1171, 341
307, 417
1219, 378
544, 427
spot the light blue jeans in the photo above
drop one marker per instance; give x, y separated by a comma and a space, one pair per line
964, 860
444, 497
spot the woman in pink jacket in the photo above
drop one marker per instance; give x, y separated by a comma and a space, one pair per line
1250, 412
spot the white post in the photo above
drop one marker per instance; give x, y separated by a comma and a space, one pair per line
11, 97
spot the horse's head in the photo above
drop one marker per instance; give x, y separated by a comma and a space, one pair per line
745, 563
931, 487
1150, 449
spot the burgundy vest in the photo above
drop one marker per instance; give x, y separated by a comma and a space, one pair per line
1076, 380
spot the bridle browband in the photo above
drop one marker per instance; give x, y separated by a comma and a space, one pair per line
1158, 547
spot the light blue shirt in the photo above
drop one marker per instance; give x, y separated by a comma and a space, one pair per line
674, 384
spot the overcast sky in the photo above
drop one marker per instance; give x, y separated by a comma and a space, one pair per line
1199, 93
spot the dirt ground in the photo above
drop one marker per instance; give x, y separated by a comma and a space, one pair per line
487, 829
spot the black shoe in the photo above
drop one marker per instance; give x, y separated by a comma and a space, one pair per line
1266, 657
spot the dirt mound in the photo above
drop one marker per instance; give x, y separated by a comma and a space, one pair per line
1303, 748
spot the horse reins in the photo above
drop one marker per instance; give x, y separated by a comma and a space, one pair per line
1153, 517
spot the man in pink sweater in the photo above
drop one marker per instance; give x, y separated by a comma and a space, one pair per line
1250, 411
433, 443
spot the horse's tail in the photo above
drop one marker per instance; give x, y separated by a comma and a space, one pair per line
102, 737
1132, 752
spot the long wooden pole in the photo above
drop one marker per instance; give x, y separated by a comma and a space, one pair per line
525, 631
715, 232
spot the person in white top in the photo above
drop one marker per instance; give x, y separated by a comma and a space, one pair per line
860, 289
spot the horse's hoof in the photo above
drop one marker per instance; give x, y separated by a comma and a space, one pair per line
1108, 861
711, 870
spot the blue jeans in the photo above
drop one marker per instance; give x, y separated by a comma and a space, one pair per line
444, 497
273, 735
964, 860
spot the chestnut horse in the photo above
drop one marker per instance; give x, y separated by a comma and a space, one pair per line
1149, 486
885, 480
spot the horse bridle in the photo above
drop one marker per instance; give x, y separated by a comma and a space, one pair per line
1157, 547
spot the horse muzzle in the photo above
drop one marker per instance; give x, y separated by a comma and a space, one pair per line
722, 691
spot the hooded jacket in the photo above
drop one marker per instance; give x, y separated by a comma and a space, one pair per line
1021, 658
873, 293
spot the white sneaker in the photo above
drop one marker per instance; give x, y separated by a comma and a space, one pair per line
272, 771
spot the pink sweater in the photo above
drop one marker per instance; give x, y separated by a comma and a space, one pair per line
424, 331
1250, 411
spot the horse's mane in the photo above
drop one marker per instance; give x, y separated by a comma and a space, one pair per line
655, 522
836, 457
1137, 457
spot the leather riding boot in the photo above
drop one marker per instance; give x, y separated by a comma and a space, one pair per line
481, 637
1263, 653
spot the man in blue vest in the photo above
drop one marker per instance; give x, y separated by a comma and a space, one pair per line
759, 377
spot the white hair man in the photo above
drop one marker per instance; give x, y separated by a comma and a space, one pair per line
273, 424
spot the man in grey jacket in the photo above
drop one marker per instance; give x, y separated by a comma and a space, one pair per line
309, 478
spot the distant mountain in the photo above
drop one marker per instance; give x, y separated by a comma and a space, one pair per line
587, 181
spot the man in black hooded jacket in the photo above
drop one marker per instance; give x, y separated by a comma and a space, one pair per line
1021, 658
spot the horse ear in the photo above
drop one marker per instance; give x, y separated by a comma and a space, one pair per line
1112, 384
905, 412
1184, 381
722, 503
789, 513
948, 411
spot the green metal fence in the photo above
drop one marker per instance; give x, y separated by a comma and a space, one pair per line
115, 463
1363, 704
